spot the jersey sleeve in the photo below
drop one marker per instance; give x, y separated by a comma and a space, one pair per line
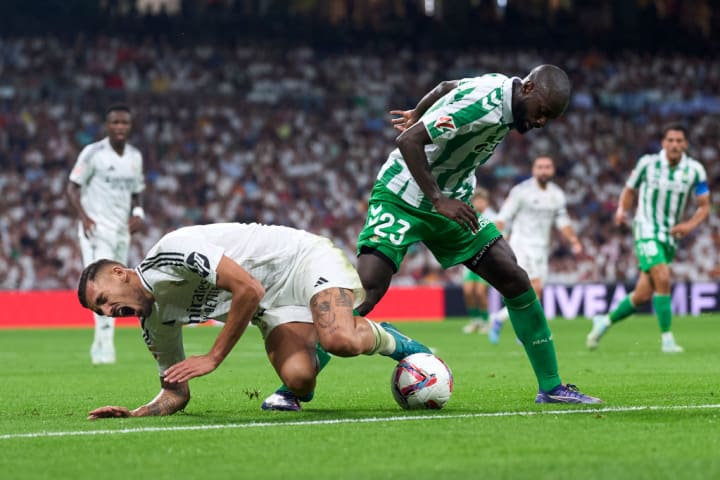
637, 176
179, 255
701, 185
562, 219
473, 102
84, 167
165, 343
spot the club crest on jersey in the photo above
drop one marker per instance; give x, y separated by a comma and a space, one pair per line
198, 263
445, 123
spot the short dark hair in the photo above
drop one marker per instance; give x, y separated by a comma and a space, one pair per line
676, 126
89, 274
117, 107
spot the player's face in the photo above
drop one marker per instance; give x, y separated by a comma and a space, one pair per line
111, 294
674, 144
118, 126
543, 170
533, 110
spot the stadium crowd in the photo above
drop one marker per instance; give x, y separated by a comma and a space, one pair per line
295, 136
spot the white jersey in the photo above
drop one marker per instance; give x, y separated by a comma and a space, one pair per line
108, 182
181, 273
465, 125
532, 211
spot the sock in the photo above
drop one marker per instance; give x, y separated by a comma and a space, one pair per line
663, 310
528, 320
384, 342
474, 313
104, 330
322, 359
667, 337
483, 315
624, 309
503, 315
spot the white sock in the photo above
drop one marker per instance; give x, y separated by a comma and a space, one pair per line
667, 337
104, 330
384, 342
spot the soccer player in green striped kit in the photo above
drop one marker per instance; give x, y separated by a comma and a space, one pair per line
662, 183
422, 194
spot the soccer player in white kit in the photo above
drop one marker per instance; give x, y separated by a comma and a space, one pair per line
298, 288
532, 208
104, 187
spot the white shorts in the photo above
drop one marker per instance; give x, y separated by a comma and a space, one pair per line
104, 246
534, 260
321, 266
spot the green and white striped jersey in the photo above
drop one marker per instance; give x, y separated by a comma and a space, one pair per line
663, 193
465, 125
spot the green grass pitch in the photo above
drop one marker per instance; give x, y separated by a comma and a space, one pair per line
661, 417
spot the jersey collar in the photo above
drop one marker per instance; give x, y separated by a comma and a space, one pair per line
663, 157
507, 87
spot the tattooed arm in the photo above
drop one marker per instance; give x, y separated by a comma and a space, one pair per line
172, 397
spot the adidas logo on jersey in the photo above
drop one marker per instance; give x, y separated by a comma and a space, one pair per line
321, 281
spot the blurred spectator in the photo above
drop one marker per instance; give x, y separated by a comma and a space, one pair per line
295, 136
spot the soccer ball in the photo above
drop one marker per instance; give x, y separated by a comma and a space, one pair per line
421, 380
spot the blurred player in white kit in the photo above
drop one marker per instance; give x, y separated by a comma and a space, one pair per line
532, 207
104, 188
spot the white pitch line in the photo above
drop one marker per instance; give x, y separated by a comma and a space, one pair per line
415, 418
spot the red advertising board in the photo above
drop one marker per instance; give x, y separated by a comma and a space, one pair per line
61, 309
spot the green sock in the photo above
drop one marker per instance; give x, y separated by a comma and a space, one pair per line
528, 320
473, 312
663, 310
323, 358
483, 315
624, 309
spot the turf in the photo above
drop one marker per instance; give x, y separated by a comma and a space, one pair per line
353, 429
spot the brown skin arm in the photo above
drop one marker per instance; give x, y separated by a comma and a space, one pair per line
412, 147
172, 398
701, 213
246, 295
73, 193
569, 233
408, 118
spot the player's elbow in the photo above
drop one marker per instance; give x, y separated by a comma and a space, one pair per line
250, 292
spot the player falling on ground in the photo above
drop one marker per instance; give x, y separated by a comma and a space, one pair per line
475, 288
298, 288
532, 208
423, 190
104, 188
662, 182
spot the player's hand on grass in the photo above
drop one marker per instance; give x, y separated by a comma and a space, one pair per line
406, 120
192, 367
459, 211
109, 412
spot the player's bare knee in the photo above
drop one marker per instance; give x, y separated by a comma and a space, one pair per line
300, 381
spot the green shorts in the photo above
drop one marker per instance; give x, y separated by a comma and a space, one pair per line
472, 277
393, 225
652, 252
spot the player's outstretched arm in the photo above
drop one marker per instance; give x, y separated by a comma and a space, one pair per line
172, 397
627, 197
